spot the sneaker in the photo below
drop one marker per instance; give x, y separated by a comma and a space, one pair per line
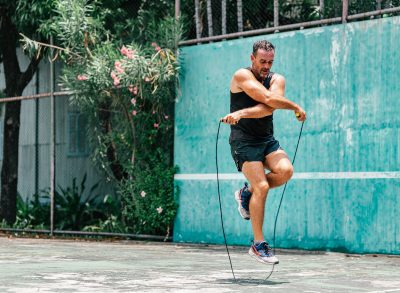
263, 253
242, 197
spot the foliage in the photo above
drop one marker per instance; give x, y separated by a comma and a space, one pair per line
126, 87
75, 209
16, 16
151, 198
111, 221
31, 14
32, 213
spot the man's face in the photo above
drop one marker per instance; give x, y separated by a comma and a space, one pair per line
262, 63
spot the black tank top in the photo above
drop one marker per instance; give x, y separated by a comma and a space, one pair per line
251, 129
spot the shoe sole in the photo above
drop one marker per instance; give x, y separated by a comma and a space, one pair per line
237, 198
251, 253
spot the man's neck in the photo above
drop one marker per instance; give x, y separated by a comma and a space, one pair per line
257, 76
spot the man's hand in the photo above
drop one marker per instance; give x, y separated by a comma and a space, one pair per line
232, 118
300, 114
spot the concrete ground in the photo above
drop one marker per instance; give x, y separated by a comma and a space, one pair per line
46, 265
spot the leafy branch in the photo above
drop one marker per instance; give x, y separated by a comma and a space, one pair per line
35, 47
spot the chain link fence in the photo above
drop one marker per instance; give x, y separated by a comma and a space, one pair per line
210, 18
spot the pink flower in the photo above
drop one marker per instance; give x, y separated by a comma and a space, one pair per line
166, 117
130, 54
155, 125
127, 52
159, 210
134, 112
118, 67
133, 101
133, 90
143, 193
154, 44
154, 112
158, 48
113, 75
124, 50
82, 77
116, 81
147, 79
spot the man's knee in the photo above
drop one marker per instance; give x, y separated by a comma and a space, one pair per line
261, 188
285, 172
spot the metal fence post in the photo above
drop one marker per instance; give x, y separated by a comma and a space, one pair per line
52, 145
276, 13
223, 17
37, 133
321, 8
177, 9
379, 7
240, 15
197, 16
345, 10
378, 4
209, 19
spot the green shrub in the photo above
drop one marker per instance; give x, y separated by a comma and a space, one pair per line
149, 202
127, 90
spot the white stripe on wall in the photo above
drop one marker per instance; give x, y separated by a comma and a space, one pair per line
300, 175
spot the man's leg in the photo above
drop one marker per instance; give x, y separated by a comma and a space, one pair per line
281, 169
280, 166
260, 250
254, 172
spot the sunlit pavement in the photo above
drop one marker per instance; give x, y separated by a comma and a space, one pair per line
47, 265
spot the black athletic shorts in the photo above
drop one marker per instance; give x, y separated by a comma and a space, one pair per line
244, 151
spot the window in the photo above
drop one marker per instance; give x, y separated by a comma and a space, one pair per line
77, 136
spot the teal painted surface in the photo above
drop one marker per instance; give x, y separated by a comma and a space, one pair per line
347, 77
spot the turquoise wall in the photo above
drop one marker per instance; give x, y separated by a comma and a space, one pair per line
345, 194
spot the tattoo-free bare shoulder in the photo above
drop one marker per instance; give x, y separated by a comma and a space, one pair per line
277, 84
239, 76
278, 78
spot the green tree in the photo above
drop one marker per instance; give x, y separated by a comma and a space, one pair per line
124, 79
16, 16
123, 19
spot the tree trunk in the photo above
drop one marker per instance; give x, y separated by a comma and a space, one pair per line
9, 171
16, 81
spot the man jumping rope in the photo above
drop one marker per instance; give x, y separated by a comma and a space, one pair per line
255, 93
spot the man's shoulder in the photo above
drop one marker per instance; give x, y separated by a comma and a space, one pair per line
276, 77
243, 73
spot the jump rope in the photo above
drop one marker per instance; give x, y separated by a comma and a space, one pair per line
277, 212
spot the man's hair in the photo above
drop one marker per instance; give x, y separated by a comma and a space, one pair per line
264, 44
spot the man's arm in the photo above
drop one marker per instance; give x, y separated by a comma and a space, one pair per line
257, 111
260, 110
244, 80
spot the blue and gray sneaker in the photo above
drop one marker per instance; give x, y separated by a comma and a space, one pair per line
242, 197
263, 253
